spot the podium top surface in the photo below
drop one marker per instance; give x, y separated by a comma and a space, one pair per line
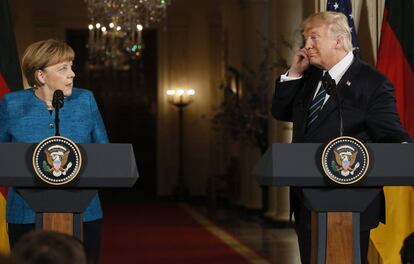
104, 165
299, 164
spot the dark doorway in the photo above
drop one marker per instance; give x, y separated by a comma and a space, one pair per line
128, 103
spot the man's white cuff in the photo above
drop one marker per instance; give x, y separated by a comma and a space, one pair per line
285, 77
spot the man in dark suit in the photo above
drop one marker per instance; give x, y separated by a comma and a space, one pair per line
368, 107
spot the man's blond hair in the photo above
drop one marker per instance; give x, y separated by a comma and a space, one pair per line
336, 22
42, 54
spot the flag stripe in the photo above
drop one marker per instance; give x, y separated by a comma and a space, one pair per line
3, 191
401, 20
10, 79
393, 63
395, 60
9, 60
3, 86
4, 239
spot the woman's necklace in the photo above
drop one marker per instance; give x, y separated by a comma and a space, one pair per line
48, 104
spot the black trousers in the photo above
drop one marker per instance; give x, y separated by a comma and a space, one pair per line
91, 236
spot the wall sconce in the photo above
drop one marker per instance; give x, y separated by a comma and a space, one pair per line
180, 98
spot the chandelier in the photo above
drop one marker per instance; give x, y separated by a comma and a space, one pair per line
115, 31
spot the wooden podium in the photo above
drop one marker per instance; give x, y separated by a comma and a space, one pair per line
336, 208
60, 208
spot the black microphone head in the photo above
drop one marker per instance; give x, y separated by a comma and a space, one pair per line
328, 89
58, 99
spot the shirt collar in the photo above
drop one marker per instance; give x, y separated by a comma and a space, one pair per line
339, 69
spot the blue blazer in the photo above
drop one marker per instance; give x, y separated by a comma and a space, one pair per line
25, 118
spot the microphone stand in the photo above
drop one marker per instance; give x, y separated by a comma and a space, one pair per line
333, 90
57, 103
338, 101
57, 120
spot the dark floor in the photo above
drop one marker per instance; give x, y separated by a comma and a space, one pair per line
277, 244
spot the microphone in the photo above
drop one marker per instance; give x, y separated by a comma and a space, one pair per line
332, 89
57, 103
58, 99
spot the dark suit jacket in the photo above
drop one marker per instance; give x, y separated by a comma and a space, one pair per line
369, 114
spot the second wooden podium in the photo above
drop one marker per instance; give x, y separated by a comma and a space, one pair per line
336, 208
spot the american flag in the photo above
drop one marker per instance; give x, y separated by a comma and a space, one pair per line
345, 7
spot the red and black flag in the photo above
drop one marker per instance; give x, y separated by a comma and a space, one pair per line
10, 79
396, 56
396, 61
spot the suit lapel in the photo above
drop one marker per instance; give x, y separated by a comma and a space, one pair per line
308, 92
331, 104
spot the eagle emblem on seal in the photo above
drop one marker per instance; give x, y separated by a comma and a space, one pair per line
57, 160
345, 160
345, 157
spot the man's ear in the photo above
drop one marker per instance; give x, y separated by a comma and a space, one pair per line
40, 77
339, 42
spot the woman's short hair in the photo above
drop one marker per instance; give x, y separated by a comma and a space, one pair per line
42, 54
337, 25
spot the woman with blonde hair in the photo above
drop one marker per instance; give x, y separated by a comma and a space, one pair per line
28, 116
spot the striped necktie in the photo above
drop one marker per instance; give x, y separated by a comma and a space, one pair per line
318, 101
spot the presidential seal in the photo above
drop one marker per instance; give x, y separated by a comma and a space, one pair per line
345, 160
57, 160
